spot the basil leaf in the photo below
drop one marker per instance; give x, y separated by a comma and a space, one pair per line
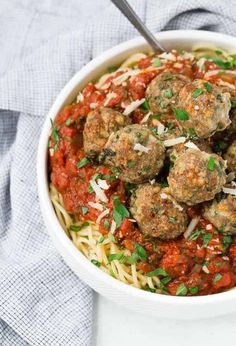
168, 93
119, 212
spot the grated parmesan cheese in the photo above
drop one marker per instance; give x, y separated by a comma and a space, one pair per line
103, 184
109, 97
141, 148
132, 106
229, 191
205, 269
122, 78
174, 141
102, 215
80, 98
191, 145
97, 206
167, 56
113, 227
98, 191
193, 223
211, 73
93, 105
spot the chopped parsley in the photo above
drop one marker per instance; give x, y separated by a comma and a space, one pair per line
217, 278
133, 258
141, 252
76, 229
55, 134
83, 162
181, 114
233, 103
227, 240
168, 93
100, 240
112, 69
197, 93
195, 234
194, 290
182, 290
131, 164
206, 239
96, 263
119, 212
208, 87
168, 77
172, 219
211, 163
157, 62
157, 272
68, 122
145, 105
84, 210
106, 225
117, 256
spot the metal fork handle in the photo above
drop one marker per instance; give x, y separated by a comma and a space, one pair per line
129, 13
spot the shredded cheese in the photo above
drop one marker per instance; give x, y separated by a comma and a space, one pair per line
174, 141
80, 98
122, 78
103, 184
160, 129
167, 56
145, 119
229, 191
132, 106
98, 191
102, 215
191, 145
141, 148
113, 227
109, 97
97, 206
193, 223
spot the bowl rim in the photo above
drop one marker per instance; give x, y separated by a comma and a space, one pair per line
52, 223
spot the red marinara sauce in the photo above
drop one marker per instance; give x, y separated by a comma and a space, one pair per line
205, 263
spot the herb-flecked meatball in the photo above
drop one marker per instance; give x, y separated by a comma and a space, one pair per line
222, 214
157, 213
230, 156
202, 108
163, 91
100, 123
196, 176
135, 152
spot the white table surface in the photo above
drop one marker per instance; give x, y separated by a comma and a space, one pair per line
116, 326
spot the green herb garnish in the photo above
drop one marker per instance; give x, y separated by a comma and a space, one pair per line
168, 77
208, 87
197, 93
194, 290
157, 62
181, 114
96, 263
145, 105
141, 252
111, 237
106, 224
227, 240
112, 69
83, 162
168, 93
217, 278
206, 239
119, 212
133, 258
100, 240
84, 210
68, 122
233, 104
211, 163
157, 272
117, 256
182, 290
195, 234
131, 164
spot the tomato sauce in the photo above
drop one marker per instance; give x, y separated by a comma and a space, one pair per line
205, 264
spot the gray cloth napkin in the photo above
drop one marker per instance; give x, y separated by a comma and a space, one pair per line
41, 301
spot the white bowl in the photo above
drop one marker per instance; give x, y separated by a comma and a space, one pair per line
131, 297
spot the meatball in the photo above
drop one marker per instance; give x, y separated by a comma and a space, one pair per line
157, 213
163, 91
196, 176
202, 108
230, 156
222, 214
136, 153
100, 123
